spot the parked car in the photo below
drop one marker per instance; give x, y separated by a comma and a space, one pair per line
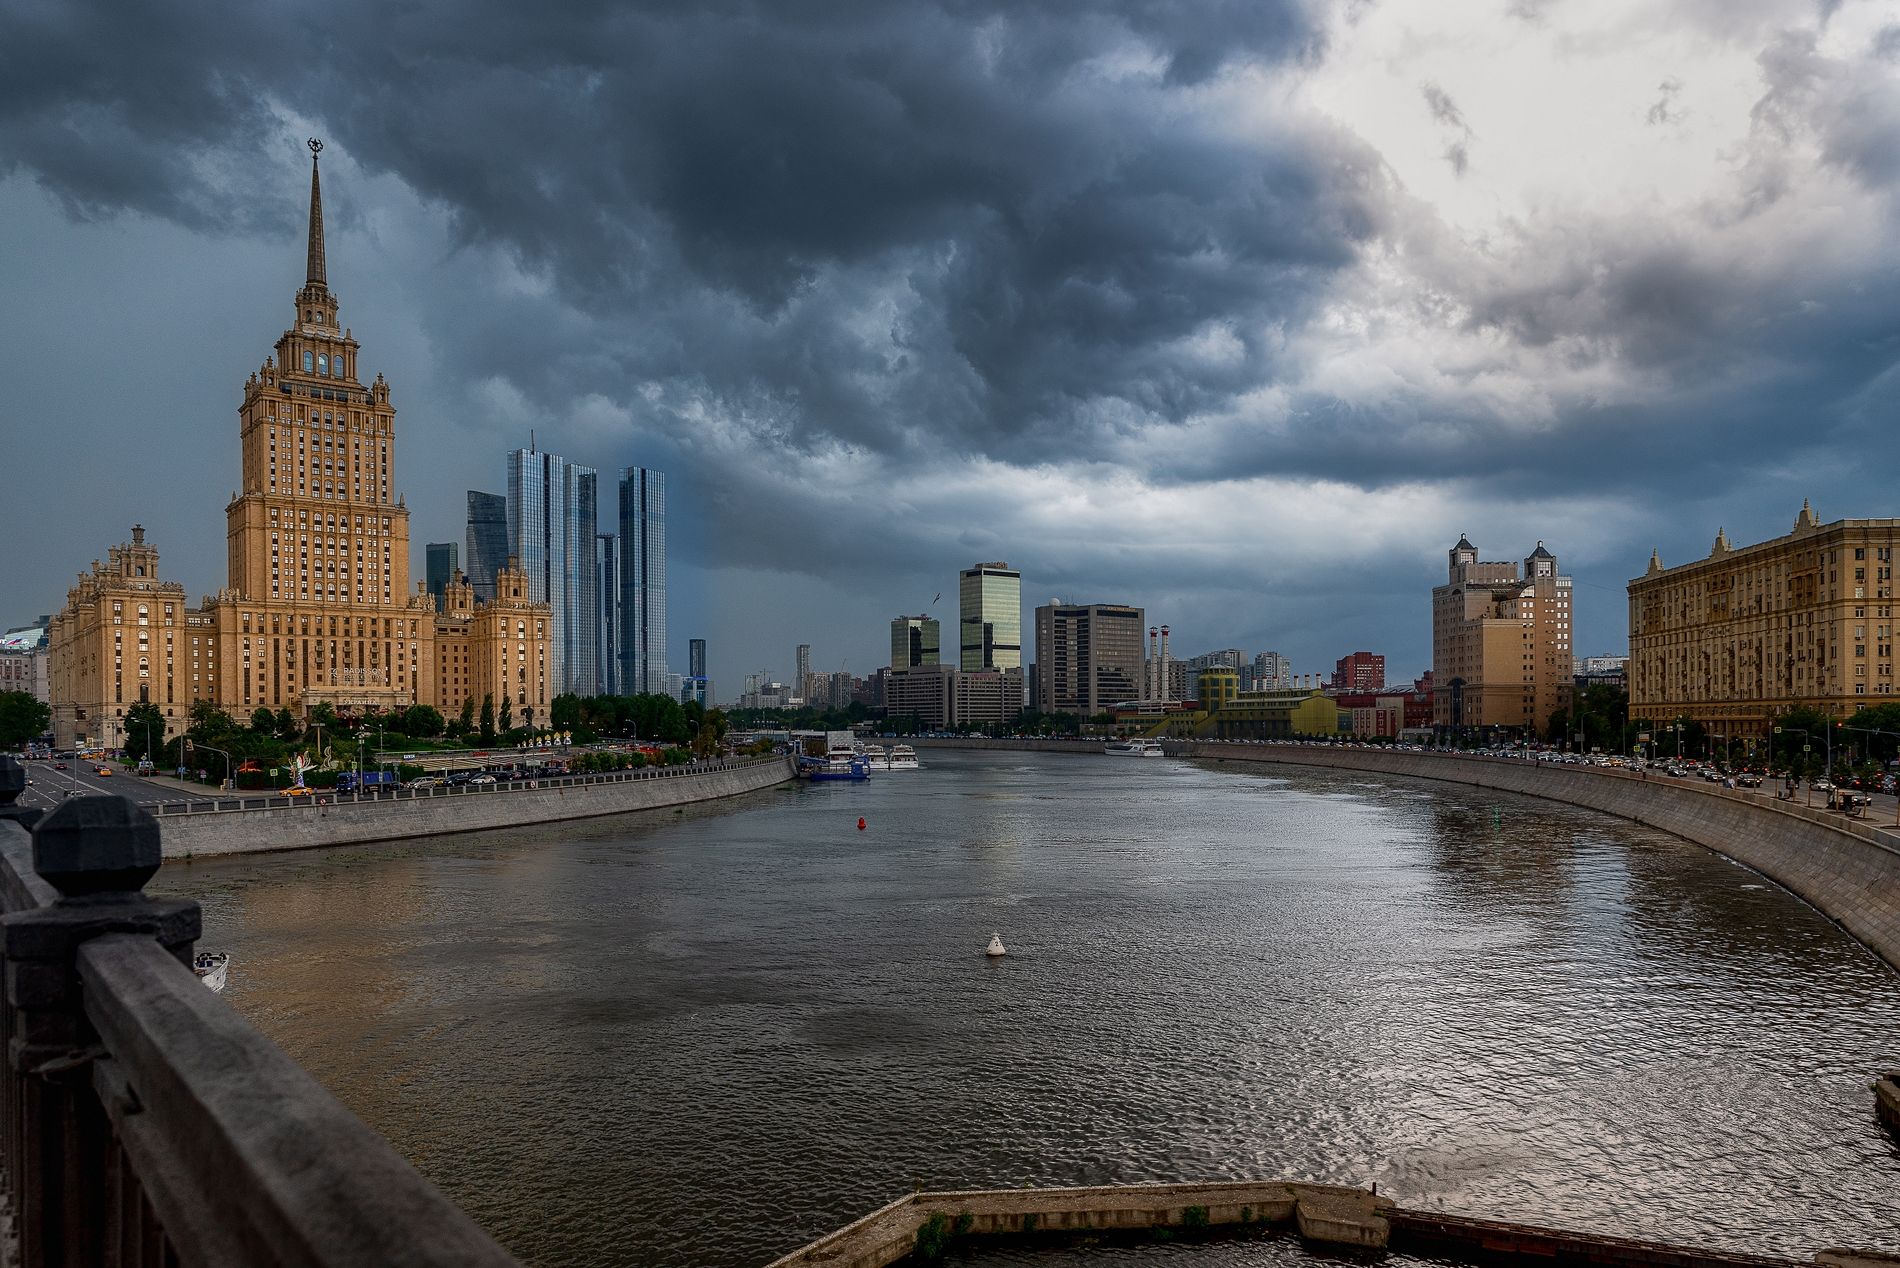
482, 779
429, 781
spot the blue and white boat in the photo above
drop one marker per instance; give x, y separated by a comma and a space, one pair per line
839, 764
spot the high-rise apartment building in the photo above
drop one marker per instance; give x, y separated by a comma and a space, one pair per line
642, 580
1358, 672
914, 642
801, 671
553, 523
317, 608
696, 657
1088, 656
990, 617
1270, 671
1734, 639
442, 560
486, 539
1500, 641
607, 608
698, 685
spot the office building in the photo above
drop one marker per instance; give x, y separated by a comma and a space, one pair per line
24, 663
1500, 641
914, 642
553, 523
698, 685
642, 580
943, 697
1359, 672
1088, 656
1736, 638
317, 608
486, 539
441, 561
801, 671
607, 608
990, 617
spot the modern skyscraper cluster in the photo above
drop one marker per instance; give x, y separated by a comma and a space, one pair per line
607, 590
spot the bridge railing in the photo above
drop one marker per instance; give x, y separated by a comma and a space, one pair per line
142, 1121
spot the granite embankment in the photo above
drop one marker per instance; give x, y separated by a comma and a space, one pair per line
1846, 869
339, 821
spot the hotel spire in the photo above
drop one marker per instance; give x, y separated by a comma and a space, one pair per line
316, 277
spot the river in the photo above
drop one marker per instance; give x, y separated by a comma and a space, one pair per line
703, 1037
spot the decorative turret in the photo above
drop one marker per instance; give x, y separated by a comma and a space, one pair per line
1655, 563
1721, 546
1806, 521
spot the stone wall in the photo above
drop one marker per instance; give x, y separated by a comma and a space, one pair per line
319, 823
1848, 870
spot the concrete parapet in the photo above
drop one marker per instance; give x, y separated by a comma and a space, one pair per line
924, 1223
342, 822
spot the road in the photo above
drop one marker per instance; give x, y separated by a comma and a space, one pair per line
47, 786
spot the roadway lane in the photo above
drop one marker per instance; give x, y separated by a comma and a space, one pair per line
49, 786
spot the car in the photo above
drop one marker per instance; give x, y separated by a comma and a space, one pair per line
299, 791
482, 779
59, 766
103, 772
428, 781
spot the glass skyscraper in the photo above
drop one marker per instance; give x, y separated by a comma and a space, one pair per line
642, 580
607, 561
553, 528
990, 618
487, 542
441, 559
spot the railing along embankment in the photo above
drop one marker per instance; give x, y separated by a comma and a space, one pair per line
254, 825
142, 1121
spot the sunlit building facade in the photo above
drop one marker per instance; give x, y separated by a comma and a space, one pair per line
990, 618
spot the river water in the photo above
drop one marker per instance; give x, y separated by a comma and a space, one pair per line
703, 1038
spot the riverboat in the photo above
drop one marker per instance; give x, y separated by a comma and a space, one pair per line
838, 764
876, 756
1133, 748
211, 967
904, 757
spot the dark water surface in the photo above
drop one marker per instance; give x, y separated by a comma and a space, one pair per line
704, 1038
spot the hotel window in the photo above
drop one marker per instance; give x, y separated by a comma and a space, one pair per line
308, 359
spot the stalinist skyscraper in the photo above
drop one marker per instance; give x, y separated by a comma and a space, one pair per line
318, 609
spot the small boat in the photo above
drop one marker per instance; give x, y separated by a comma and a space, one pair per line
211, 967
996, 946
1134, 748
904, 757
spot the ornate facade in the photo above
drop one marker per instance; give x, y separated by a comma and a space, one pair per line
1500, 641
318, 608
1734, 639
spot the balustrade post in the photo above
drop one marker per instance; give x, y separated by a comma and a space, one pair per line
98, 853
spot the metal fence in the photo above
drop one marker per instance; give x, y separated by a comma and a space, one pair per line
142, 1121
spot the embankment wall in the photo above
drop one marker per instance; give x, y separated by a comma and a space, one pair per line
1846, 869
308, 826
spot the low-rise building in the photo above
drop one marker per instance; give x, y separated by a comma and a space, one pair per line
24, 662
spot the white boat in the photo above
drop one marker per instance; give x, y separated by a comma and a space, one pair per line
211, 967
904, 757
1134, 748
996, 946
875, 756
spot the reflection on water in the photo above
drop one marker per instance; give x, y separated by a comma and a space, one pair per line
702, 1038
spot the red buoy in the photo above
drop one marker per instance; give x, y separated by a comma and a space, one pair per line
860, 824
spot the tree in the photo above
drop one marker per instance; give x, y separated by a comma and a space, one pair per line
564, 712
507, 713
23, 717
263, 721
466, 721
144, 730
488, 719
287, 727
422, 720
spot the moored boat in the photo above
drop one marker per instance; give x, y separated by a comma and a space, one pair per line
1134, 748
904, 757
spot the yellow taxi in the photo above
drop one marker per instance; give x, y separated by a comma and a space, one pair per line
103, 772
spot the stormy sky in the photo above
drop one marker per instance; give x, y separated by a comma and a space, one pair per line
1240, 310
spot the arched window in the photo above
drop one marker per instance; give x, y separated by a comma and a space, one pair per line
336, 366
323, 365
308, 359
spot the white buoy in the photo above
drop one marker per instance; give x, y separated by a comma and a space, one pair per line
996, 945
